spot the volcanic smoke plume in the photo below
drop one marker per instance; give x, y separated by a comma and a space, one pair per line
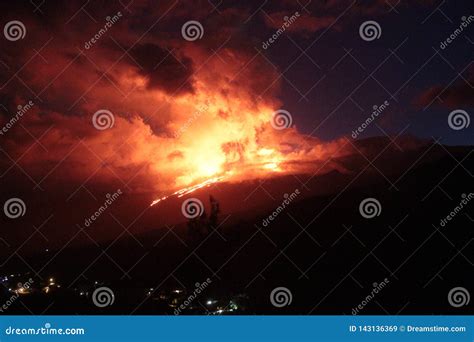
158, 112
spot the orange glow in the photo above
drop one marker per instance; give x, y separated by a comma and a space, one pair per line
271, 166
188, 190
171, 143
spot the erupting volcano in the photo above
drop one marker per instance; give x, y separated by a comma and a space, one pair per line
320, 147
219, 119
237, 140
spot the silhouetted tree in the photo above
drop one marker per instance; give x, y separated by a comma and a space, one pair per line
215, 210
197, 227
200, 227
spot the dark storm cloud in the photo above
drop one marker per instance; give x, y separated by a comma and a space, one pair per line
163, 69
459, 94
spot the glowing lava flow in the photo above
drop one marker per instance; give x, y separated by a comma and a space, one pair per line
264, 161
189, 189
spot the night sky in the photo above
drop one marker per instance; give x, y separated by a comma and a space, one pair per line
405, 66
